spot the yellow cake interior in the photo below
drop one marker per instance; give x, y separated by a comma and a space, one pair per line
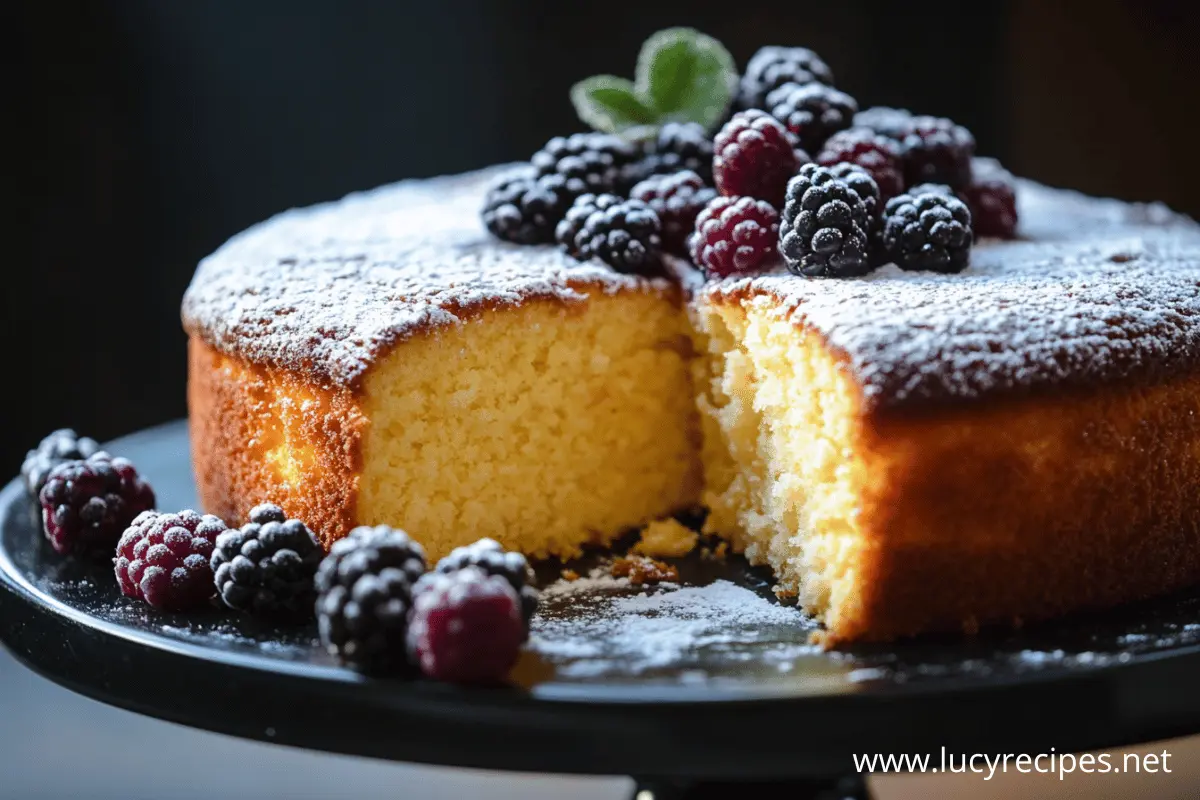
545, 427
780, 422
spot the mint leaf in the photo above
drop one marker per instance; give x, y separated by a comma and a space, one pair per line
610, 104
686, 75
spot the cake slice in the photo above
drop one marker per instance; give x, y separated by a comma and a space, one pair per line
913, 452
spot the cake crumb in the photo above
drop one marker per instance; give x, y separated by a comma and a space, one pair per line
569, 575
717, 553
641, 570
666, 538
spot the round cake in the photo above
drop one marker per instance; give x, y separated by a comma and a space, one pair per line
907, 451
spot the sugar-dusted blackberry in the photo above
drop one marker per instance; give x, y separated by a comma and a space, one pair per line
524, 209
466, 626
735, 235
877, 154
625, 234
772, 67
825, 230
677, 199
163, 559
754, 156
811, 112
679, 146
588, 162
894, 123
267, 566
489, 556
929, 232
364, 594
992, 198
863, 185
87, 505
62, 445
936, 150
931, 188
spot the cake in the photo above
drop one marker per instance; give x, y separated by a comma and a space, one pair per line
906, 451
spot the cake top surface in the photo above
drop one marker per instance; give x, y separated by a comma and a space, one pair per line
1094, 291
326, 289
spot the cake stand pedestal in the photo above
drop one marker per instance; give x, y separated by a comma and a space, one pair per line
717, 722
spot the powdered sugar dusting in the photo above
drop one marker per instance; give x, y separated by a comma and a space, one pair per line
1098, 290
326, 289
594, 627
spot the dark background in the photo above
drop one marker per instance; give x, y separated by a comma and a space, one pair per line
149, 132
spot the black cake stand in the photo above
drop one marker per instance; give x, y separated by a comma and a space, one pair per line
756, 712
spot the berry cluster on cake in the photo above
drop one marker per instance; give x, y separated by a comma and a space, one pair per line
926, 394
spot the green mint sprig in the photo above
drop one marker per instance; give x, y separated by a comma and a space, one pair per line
682, 75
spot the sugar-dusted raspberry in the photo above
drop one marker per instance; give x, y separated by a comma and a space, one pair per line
754, 156
992, 198
876, 154
677, 199
930, 232
825, 231
164, 559
57, 448
811, 112
936, 150
86, 505
466, 626
735, 235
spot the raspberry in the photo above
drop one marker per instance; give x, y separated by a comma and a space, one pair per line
588, 162
876, 154
893, 123
733, 235
524, 210
364, 594
992, 198
772, 67
625, 234
927, 232
826, 226
62, 445
466, 626
679, 146
754, 156
677, 199
86, 505
489, 556
267, 566
937, 151
164, 559
811, 112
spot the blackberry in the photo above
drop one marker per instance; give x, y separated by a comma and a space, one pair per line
735, 235
625, 234
772, 67
524, 209
825, 231
931, 188
489, 556
588, 162
466, 626
863, 185
62, 445
677, 199
754, 156
679, 146
87, 505
163, 559
937, 151
877, 154
927, 232
893, 123
992, 198
811, 112
267, 566
364, 594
